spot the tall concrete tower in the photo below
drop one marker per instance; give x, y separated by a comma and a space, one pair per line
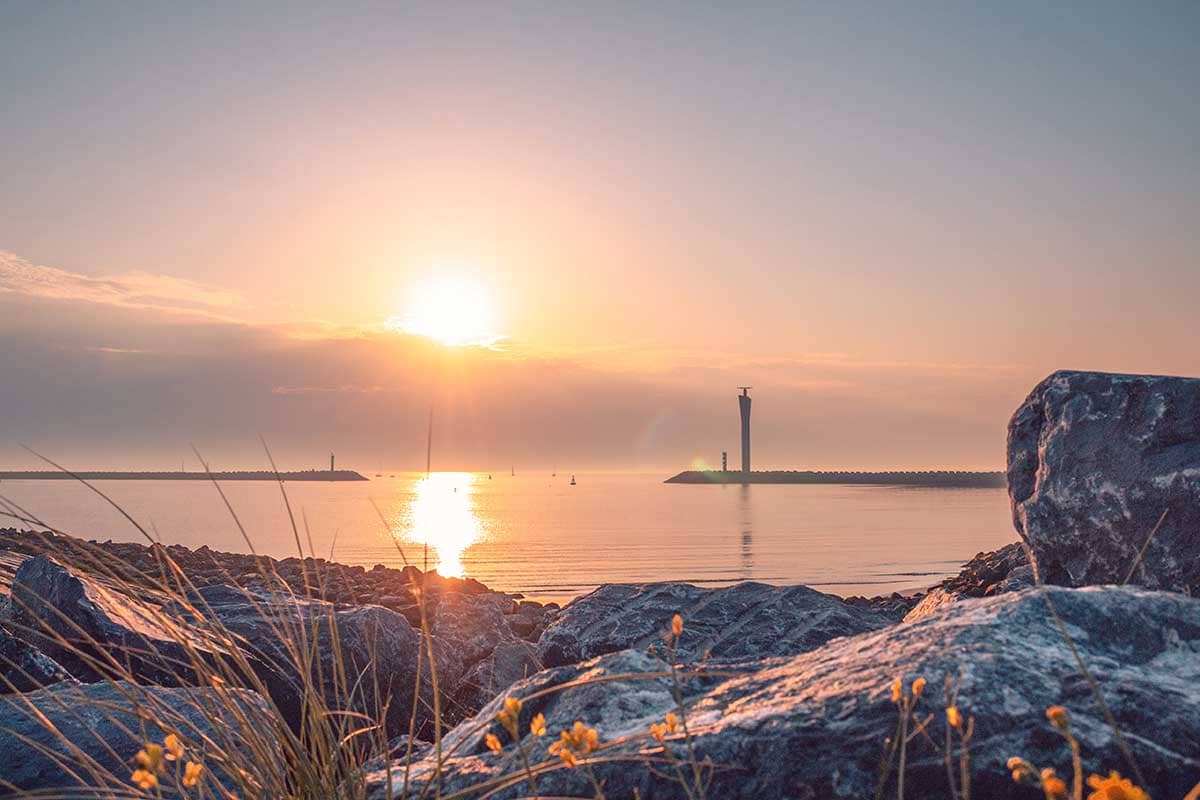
744, 406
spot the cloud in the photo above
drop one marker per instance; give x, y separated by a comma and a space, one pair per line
137, 290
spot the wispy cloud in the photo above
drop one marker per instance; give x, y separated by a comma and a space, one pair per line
141, 290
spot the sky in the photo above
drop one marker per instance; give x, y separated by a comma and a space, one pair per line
217, 222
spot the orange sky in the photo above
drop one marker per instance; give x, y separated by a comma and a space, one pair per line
892, 228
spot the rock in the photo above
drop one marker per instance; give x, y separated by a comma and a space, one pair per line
24, 668
1094, 461
749, 620
987, 574
96, 631
98, 719
815, 724
508, 662
371, 641
474, 632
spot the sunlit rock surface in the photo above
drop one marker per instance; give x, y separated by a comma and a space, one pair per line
1094, 461
814, 725
749, 620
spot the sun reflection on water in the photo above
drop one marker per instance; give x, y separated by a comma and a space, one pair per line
442, 516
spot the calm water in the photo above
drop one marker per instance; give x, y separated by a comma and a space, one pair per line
540, 536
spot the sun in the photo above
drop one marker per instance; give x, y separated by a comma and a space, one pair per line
454, 310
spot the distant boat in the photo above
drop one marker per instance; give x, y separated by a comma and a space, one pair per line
489, 476
514, 471
572, 480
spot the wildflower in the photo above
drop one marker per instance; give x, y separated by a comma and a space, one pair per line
672, 722
537, 726
897, 690
658, 731
144, 779
918, 687
150, 758
1058, 718
953, 717
1022, 770
1114, 787
173, 746
579, 741
1054, 786
191, 774
508, 717
492, 742
677, 625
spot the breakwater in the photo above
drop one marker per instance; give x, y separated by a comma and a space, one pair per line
932, 478
247, 475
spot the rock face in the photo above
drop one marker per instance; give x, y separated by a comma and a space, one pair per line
98, 719
24, 668
371, 641
1094, 461
749, 620
52, 605
814, 725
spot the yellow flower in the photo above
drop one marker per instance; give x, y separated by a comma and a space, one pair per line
579, 741
508, 717
953, 717
1054, 786
897, 690
672, 722
1058, 717
537, 725
150, 759
492, 742
658, 731
918, 687
191, 774
144, 779
677, 625
1022, 770
1114, 787
173, 746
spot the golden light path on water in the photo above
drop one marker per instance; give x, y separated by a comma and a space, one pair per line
442, 516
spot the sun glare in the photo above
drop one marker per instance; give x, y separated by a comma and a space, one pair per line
443, 516
453, 310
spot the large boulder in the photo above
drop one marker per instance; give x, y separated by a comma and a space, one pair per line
815, 725
83, 737
1094, 462
99, 630
362, 656
745, 621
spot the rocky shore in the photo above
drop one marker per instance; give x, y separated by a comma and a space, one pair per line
787, 690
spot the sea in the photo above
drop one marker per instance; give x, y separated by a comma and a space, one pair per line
538, 535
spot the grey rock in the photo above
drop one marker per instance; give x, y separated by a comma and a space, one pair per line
103, 721
96, 631
985, 575
371, 641
1094, 461
508, 662
814, 725
24, 668
749, 620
